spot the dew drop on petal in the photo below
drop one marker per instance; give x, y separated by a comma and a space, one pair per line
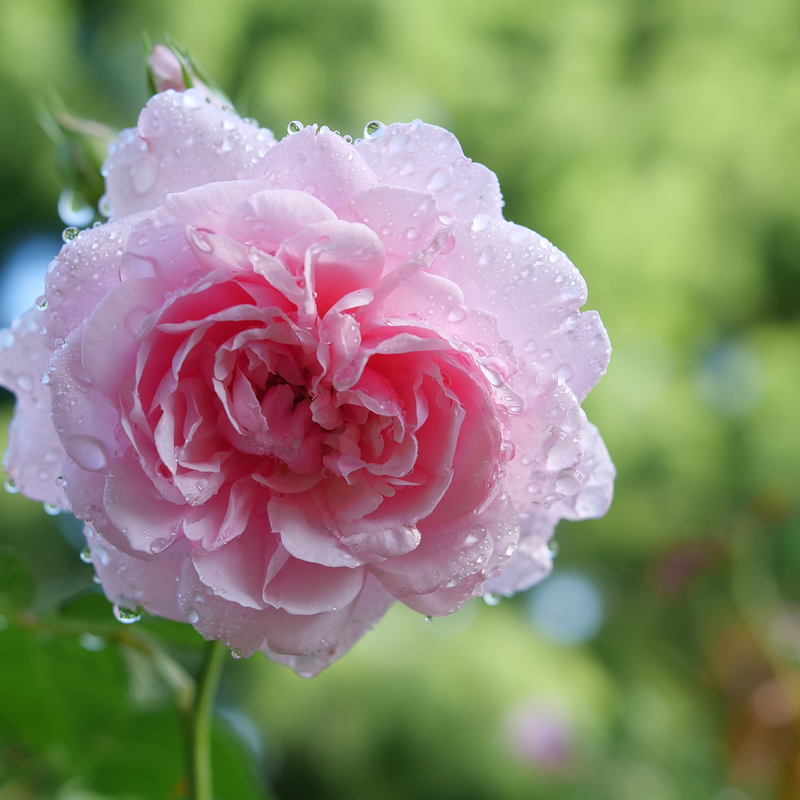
439, 179
144, 174
51, 510
125, 615
237, 654
374, 129
86, 555
481, 222
295, 126
192, 616
68, 234
10, 486
457, 313
491, 599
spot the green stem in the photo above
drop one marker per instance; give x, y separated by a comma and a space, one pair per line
200, 778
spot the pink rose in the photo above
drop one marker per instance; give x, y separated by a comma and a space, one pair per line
288, 384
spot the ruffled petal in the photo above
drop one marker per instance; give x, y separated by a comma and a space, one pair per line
84, 420
318, 162
535, 292
82, 275
180, 142
34, 454
429, 159
131, 582
304, 588
371, 604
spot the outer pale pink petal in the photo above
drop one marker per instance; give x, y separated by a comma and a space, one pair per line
85, 493
429, 159
533, 561
449, 565
132, 582
157, 243
34, 454
180, 142
237, 570
266, 218
82, 275
594, 498
109, 336
535, 292
303, 588
311, 655
404, 219
242, 629
135, 507
305, 535
83, 418
318, 162
548, 440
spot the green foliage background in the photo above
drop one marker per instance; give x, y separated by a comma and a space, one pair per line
656, 142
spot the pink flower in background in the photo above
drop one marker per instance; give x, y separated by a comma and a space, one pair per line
288, 384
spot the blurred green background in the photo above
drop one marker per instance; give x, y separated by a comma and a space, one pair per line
656, 142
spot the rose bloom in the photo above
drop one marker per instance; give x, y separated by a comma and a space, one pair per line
286, 385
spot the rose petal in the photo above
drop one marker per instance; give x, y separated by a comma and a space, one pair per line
304, 588
109, 338
318, 162
370, 605
83, 418
180, 142
131, 582
429, 159
34, 453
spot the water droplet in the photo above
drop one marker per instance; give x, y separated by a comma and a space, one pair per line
295, 126
87, 452
125, 615
481, 222
412, 233
428, 618
51, 510
158, 545
192, 616
348, 138
552, 549
199, 242
491, 599
41, 302
25, 382
144, 174
531, 345
68, 234
10, 486
489, 255
192, 100
86, 555
44, 378
457, 314
439, 179
96, 580
374, 129
568, 482
237, 654
446, 218
61, 481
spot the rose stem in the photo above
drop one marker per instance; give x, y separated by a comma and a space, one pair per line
200, 723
